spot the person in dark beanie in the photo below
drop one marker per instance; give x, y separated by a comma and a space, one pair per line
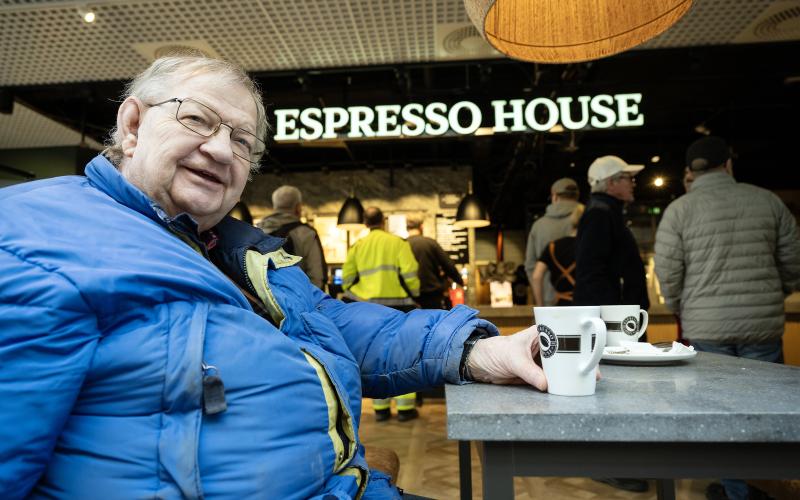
727, 254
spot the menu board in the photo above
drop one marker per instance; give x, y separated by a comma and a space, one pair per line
453, 241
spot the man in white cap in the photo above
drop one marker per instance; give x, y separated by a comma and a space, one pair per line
554, 224
609, 268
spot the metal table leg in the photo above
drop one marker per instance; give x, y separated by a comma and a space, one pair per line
465, 470
498, 472
665, 489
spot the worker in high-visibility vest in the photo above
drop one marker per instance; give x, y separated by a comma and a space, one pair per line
381, 268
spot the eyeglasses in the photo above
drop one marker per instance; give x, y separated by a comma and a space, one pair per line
624, 176
204, 121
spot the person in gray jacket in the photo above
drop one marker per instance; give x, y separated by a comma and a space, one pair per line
554, 224
302, 239
727, 254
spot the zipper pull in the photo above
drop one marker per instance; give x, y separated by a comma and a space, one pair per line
213, 391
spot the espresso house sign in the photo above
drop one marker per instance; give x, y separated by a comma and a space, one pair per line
463, 118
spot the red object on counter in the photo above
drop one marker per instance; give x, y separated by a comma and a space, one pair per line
456, 296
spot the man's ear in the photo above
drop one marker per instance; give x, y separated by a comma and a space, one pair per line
729, 167
129, 118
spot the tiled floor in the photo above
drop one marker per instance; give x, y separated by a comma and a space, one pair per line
429, 463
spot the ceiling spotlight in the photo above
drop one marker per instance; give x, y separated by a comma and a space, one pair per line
655, 159
88, 15
702, 129
658, 182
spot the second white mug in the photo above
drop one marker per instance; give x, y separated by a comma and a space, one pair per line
623, 323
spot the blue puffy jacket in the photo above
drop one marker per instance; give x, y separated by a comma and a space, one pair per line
112, 313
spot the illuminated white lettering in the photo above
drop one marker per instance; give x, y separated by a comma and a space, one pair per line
335, 118
437, 121
566, 112
500, 115
606, 111
387, 115
552, 114
628, 112
285, 124
360, 118
413, 125
474, 111
309, 118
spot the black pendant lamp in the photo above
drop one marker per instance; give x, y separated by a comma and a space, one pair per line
351, 215
471, 212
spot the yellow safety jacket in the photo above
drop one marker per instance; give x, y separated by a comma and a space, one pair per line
374, 268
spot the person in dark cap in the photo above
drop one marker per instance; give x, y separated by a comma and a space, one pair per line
554, 224
727, 255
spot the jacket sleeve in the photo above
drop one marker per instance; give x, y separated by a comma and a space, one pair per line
669, 259
530, 254
595, 283
349, 269
403, 352
312, 256
787, 250
447, 264
49, 336
409, 268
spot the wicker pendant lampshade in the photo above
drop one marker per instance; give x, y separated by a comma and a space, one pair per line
561, 31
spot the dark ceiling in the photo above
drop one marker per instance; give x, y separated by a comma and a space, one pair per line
749, 94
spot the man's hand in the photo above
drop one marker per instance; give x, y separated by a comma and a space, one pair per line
508, 360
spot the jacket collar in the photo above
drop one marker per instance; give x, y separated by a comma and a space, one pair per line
609, 200
561, 208
712, 179
233, 235
108, 179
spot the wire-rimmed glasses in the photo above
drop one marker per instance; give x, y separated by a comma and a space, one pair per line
204, 121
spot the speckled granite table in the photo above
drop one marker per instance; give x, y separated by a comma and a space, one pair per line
712, 416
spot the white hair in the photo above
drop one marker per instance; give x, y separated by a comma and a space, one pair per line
149, 85
600, 186
285, 198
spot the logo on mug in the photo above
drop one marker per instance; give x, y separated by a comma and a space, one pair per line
630, 326
548, 342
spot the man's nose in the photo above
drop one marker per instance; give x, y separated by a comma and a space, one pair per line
219, 144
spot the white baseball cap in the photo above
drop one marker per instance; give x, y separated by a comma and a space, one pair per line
608, 166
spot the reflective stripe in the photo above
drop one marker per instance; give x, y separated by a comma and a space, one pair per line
407, 301
408, 276
406, 401
373, 270
404, 301
362, 478
336, 412
381, 404
256, 266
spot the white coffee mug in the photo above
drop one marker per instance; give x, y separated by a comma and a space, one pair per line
622, 323
571, 341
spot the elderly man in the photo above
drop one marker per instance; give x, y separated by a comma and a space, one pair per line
609, 269
301, 239
554, 224
153, 347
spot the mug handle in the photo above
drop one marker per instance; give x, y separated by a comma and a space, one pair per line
586, 335
644, 323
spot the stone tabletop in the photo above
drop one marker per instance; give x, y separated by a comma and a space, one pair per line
710, 398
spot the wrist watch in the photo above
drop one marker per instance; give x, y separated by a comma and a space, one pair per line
474, 337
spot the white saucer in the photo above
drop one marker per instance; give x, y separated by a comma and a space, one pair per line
663, 358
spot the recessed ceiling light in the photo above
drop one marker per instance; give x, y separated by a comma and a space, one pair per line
655, 159
89, 16
658, 182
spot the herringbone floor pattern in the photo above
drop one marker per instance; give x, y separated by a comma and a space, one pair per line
429, 463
